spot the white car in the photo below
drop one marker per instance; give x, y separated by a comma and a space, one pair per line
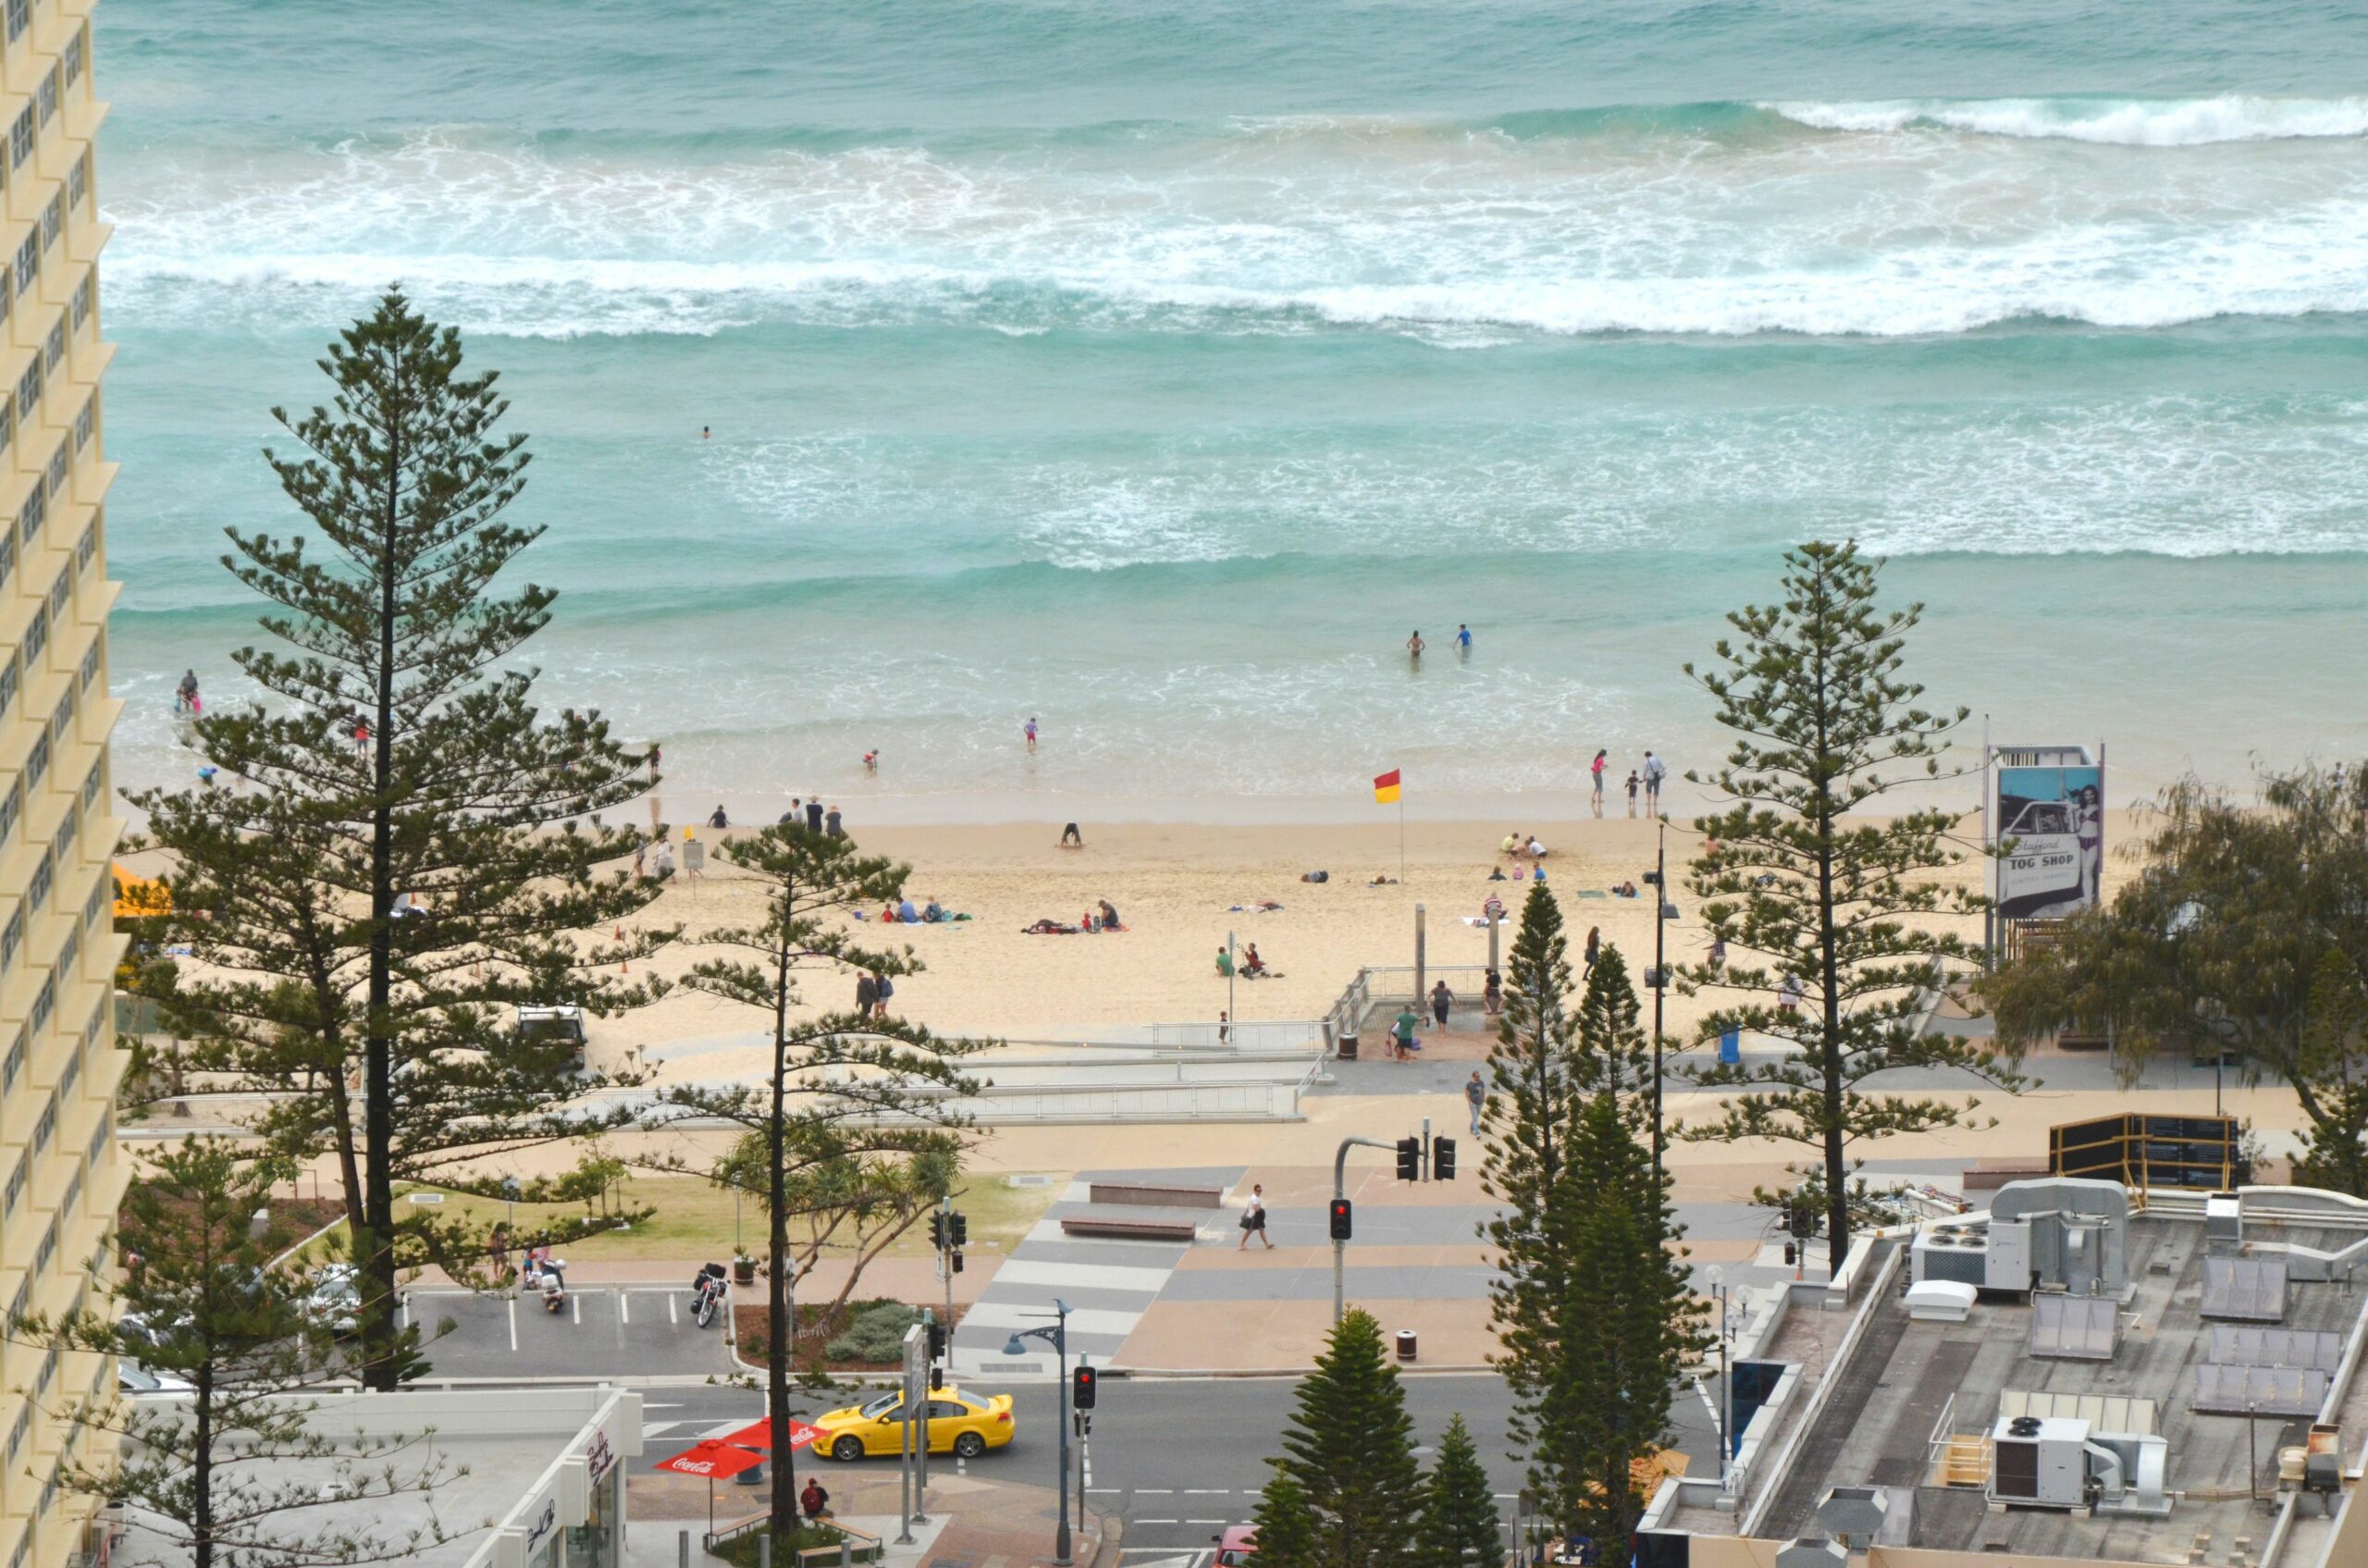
335, 1302
130, 1378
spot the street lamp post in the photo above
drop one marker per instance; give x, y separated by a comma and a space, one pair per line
1056, 1336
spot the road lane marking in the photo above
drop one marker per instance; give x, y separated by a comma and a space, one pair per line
578, 1303
514, 1326
658, 1428
1154, 1491
624, 1308
672, 1315
1208, 1491
1159, 1521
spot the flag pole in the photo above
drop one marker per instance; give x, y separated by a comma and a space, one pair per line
1401, 835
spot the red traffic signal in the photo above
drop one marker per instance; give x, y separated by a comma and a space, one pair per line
1081, 1387
1340, 1216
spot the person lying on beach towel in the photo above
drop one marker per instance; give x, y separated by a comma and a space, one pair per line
1048, 928
1264, 907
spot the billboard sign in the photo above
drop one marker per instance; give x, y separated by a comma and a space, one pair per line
2050, 840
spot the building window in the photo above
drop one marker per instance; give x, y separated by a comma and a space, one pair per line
7, 555
36, 511
99, 1135
101, 901
36, 633
61, 594
37, 761
90, 667
78, 180
17, 1185
69, 954
86, 423
12, 805
61, 464
8, 412
86, 549
20, 139
28, 260
45, 999
54, 352
52, 221
49, 95
73, 58
68, 826
86, 294
45, 1129
28, 391
73, 1199
7, 682
16, 1065
20, 16
71, 1075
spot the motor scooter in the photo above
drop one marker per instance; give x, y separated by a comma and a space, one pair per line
707, 1293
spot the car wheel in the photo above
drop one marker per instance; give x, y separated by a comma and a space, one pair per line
847, 1449
969, 1445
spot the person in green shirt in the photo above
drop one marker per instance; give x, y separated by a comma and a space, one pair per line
1407, 1022
1225, 963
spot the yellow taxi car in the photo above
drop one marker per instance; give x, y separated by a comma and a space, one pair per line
968, 1425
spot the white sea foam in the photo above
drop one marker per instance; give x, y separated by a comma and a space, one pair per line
1292, 230
2136, 122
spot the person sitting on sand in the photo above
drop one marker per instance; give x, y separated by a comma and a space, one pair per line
717, 819
1623, 890
907, 913
1536, 850
1511, 844
1225, 963
1251, 964
933, 913
1495, 873
1110, 916
1383, 881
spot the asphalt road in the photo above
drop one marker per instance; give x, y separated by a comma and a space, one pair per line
1179, 1458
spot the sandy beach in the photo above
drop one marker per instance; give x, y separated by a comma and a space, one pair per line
1179, 889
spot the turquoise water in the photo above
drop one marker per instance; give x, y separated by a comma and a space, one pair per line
1154, 370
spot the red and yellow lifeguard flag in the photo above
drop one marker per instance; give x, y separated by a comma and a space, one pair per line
1385, 788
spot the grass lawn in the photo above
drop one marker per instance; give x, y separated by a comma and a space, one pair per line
694, 1219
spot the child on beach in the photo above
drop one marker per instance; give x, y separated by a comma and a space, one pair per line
1632, 781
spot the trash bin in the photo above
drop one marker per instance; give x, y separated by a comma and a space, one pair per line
1348, 1051
1405, 1344
1730, 1047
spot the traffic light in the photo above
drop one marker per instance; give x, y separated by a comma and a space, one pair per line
936, 1341
1081, 1387
953, 1261
937, 1232
1443, 1159
1340, 1213
1410, 1159
961, 1227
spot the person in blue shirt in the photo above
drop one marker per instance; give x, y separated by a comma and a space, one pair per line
1463, 639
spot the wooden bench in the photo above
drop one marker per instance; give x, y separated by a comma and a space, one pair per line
1155, 1197
1130, 1229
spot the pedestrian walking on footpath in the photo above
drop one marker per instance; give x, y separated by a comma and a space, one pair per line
1475, 1094
1442, 1000
1254, 1221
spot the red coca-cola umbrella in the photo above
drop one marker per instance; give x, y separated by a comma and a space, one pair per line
760, 1434
711, 1457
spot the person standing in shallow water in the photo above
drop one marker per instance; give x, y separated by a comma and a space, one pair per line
1414, 646
1030, 732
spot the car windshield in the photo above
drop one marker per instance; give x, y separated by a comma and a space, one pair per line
884, 1404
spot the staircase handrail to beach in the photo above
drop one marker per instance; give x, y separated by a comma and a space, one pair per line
1191, 1035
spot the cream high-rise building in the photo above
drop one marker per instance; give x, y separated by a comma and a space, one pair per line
61, 1169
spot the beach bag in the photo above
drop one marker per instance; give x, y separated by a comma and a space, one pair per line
1248, 1223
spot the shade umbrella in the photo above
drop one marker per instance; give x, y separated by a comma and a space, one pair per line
710, 1457
760, 1434
136, 895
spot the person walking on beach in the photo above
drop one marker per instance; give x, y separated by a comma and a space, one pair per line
1253, 1221
1475, 1094
1654, 771
1414, 646
1595, 767
1632, 791
1031, 732
867, 993
1595, 948
362, 741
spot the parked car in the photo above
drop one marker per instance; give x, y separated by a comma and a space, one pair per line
335, 1302
1238, 1545
968, 1425
560, 1024
130, 1378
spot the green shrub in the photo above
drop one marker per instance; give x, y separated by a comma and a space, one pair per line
875, 1332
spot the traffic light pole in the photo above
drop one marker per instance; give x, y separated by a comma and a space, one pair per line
1341, 1244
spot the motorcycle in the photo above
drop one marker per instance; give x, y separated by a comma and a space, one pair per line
548, 1276
707, 1293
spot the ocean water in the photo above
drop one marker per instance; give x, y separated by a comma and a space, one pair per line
1154, 369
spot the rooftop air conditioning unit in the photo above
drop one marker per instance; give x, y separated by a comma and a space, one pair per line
2041, 1461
